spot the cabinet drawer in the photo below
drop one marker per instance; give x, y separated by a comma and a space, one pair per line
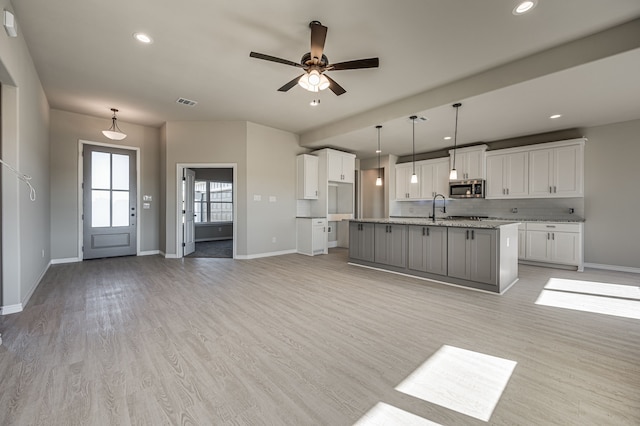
551, 227
318, 222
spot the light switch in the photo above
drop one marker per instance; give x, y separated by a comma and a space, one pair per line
147, 198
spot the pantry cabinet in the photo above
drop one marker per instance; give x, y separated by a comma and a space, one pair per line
307, 170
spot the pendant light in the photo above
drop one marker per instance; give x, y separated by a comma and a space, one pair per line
454, 173
114, 132
379, 179
414, 176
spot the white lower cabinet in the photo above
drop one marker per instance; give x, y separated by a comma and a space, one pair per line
559, 243
312, 236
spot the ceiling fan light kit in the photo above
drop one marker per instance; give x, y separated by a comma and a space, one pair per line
315, 64
114, 132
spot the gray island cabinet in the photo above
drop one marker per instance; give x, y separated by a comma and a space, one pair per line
477, 254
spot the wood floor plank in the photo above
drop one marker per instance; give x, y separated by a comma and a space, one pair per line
293, 340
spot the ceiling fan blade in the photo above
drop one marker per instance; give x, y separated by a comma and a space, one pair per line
335, 87
274, 59
354, 65
318, 36
290, 84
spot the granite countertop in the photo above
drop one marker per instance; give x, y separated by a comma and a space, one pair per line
487, 224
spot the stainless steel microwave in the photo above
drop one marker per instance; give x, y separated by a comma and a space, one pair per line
467, 188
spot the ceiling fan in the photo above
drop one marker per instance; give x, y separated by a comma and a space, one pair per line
315, 63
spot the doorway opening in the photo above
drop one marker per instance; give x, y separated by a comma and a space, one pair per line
207, 216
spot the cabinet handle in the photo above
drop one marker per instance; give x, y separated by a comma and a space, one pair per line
507, 191
427, 232
553, 236
473, 235
551, 226
467, 234
423, 232
324, 229
390, 228
550, 190
548, 236
554, 189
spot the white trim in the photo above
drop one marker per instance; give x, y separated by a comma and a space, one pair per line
81, 143
11, 309
65, 260
179, 231
613, 267
270, 254
332, 244
149, 253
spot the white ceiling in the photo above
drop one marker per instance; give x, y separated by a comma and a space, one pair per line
89, 62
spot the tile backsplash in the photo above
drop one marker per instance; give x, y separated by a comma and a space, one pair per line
516, 209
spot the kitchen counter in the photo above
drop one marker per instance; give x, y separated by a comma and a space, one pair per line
507, 219
481, 254
455, 223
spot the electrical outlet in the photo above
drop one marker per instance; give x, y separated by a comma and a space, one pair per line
43, 253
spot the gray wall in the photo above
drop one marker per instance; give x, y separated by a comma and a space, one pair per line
25, 122
612, 197
199, 142
66, 130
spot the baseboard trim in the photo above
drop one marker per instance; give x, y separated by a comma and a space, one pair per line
11, 309
65, 260
170, 256
259, 255
612, 267
332, 244
149, 253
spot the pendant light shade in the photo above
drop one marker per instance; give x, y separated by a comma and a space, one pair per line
453, 175
379, 179
114, 132
414, 176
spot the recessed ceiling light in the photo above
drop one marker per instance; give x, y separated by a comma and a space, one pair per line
554, 116
524, 7
447, 138
143, 38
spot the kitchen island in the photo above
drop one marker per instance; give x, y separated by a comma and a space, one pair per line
477, 254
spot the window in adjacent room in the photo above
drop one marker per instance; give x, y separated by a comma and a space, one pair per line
213, 201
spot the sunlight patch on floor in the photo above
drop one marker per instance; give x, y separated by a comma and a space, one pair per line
595, 297
468, 382
387, 415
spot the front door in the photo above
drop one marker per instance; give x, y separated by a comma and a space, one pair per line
109, 194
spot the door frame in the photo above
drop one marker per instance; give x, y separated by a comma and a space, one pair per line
179, 228
81, 144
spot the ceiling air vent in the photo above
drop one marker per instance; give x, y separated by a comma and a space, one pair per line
186, 102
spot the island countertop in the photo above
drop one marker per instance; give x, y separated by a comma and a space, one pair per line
457, 223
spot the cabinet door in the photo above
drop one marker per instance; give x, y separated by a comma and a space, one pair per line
348, 168
441, 178
538, 247
458, 253
361, 237
334, 166
436, 252
540, 171
319, 240
483, 261
380, 252
522, 241
405, 190
427, 189
565, 247
417, 248
516, 174
567, 170
495, 177
474, 165
397, 246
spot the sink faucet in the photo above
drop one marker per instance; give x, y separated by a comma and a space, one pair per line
433, 207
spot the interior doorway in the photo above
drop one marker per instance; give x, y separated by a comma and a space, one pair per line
208, 211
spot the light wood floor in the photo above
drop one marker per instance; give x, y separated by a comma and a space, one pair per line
294, 340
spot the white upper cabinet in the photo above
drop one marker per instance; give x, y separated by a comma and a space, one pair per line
405, 190
508, 175
307, 170
341, 166
434, 178
557, 171
470, 162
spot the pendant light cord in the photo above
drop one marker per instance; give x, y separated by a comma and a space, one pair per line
455, 135
413, 121
378, 127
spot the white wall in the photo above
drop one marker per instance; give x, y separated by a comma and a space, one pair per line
25, 145
66, 130
612, 194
